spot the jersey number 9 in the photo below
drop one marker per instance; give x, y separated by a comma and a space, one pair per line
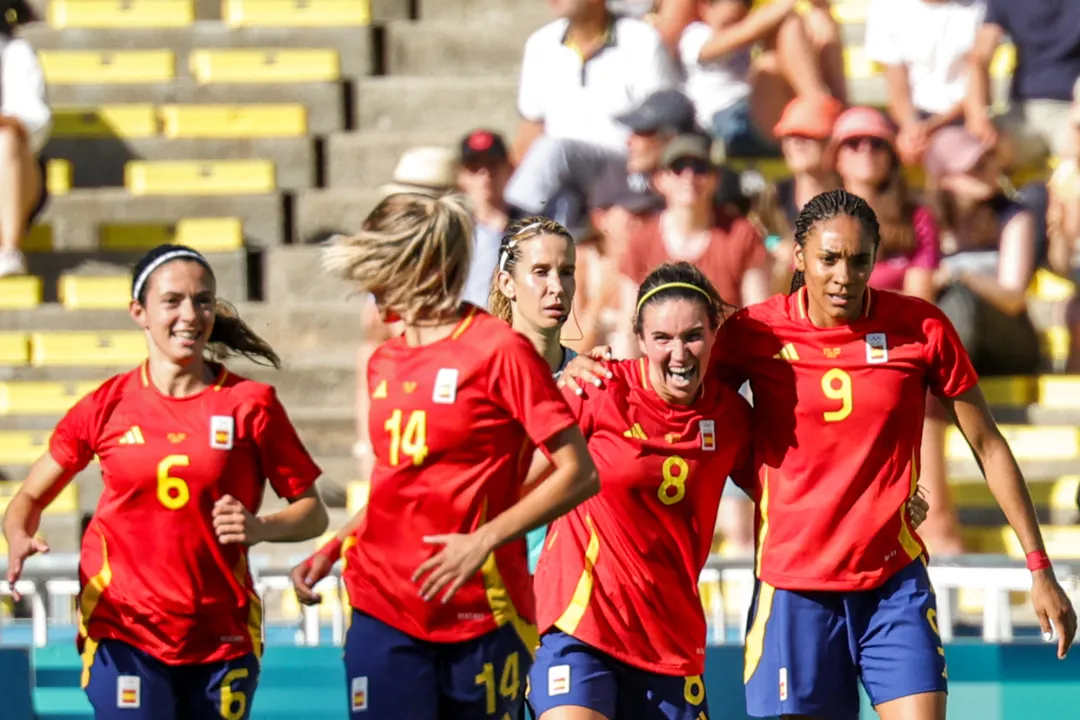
172, 492
836, 384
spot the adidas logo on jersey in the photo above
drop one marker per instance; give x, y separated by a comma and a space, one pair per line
132, 436
380, 392
636, 432
788, 352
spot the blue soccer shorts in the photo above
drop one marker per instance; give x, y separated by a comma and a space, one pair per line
807, 651
393, 676
569, 672
125, 683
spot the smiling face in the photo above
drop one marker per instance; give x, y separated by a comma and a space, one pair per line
541, 287
177, 312
676, 338
836, 261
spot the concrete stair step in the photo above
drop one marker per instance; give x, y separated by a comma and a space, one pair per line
354, 44
75, 217
366, 160
454, 104
535, 12
99, 162
294, 274
318, 212
325, 102
453, 47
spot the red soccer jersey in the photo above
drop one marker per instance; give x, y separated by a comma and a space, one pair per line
838, 416
153, 573
453, 425
620, 571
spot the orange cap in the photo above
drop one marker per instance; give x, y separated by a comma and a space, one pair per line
860, 122
811, 116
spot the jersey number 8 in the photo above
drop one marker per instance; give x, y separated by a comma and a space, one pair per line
172, 492
673, 489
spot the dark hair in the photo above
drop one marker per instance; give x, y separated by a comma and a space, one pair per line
231, 335
14, 13
510, 253
680, 281
826, 206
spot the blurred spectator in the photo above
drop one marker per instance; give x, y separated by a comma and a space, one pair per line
869, 166
1063, 211
25, 121
990, 255
1046, 34
923, 45
653, 124
727, 248
482, 175
736, 105
578, 74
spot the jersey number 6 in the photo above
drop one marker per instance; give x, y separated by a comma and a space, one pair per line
836, 384
172, 492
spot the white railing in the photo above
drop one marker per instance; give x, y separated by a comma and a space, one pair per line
51, 585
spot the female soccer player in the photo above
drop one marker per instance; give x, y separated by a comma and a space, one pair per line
839, 373
533, 290
617, 595
442, 621
170, 623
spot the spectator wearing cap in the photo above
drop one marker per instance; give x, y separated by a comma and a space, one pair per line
662, 116
739, 102
579, 73
482, 175
923, 45
1046, 35
423, 170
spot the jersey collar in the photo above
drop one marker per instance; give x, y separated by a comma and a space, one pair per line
144, 376
800, 302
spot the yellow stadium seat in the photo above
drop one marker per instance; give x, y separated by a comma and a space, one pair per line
39, 238
23, 448
850, 12
1059, 391
356, 496
41, 398
107, 67
1003, 62
121, 13
20, 292
977, 495
270, 65
1055, 344
94, 292
1063, 493
14, 349
234, 121
1028, 442
1009, 391
211, 177
58, 177
1049, 287
857, 65
207, 235
124, 121
67, 501
296, 13
79, 348
1062, 541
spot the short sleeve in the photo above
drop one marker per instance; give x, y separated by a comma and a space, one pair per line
521, 383
997, 13
882, 44
531, 86
284, 459
691, 41
927, 254
951, 373
73, 442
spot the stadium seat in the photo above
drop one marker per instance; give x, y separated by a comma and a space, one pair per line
1004, 62
1062, 541
94, 292
107, 67
296, 13
122, 14
80, 348
1055, 343
41, 398
67, 501
39, 238
356, 496
207, 235
20, 292
192, 177
1049, 287
1028, 442
269, 65
1059, 391
58, 177
234, 121
14, 349
18, 447
123, 121
1009, 391
977, 495
857, 65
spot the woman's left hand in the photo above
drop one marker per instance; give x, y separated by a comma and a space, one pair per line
458, 560
917, 509
234, 523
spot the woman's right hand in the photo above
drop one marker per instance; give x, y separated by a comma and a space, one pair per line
587, 370
307, 575
19, 549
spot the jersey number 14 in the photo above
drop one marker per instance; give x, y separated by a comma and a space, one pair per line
410, 440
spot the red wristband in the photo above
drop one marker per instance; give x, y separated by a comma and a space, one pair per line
1038, 560
331, 550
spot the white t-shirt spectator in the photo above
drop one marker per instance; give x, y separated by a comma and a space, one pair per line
579, 100
932, 40
714, 85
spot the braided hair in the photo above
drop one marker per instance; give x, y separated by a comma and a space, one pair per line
826, 206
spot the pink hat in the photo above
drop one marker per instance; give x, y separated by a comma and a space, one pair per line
811, 116
860, 122
953, 151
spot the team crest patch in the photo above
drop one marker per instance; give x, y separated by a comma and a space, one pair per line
445, 391
877, 348
559, 680
222, 429
708, 435
128, 692
359, 694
